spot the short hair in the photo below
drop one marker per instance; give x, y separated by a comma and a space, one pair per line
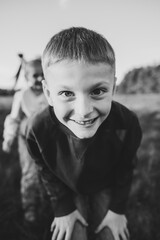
78, 43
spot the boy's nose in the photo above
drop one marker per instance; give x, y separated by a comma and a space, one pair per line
83, 107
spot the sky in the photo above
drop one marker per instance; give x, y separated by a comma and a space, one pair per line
131, 27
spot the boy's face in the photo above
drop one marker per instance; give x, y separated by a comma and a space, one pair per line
34, 76
81, 95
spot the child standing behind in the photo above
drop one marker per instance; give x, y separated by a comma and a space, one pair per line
84, 143
25, 103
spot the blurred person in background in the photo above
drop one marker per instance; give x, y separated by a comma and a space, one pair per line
26, 102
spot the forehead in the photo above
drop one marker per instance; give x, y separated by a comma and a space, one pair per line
68, 71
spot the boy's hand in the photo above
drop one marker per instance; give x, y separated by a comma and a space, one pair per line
62, 227
117, 223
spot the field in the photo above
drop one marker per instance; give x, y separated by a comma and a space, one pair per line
143, 209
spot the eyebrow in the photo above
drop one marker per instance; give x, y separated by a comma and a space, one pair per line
91, 87
101, 84
66, 87
94, 85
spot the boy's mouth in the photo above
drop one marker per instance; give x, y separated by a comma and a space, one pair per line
86, 122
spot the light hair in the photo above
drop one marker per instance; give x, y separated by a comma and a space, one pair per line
80, 44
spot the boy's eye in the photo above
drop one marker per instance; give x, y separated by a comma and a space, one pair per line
66, 94
98, 92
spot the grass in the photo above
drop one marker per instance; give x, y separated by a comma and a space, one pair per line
143, 209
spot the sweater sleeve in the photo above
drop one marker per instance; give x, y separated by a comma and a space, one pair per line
11, 126
60, 195
12, 121
125, 167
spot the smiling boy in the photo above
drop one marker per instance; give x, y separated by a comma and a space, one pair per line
84, 143
81, 94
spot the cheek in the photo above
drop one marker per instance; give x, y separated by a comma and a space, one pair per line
104, 107
105, 111
61, 110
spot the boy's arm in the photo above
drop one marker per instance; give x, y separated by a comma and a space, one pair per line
115, 218
61, 196
65, 212
124, 170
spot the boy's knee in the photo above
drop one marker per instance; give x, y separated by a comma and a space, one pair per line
81, 203
104, 234
79, 232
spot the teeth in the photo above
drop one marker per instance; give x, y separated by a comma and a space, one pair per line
85, 122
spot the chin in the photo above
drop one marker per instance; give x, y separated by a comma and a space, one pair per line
85, 135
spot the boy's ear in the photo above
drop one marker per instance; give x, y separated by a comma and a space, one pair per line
114, 85
47, 93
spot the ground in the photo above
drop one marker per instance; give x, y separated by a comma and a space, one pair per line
143, 209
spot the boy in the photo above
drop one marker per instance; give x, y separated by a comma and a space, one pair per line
84, 144
25, 103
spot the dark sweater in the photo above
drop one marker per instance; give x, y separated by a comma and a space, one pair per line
69, 165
